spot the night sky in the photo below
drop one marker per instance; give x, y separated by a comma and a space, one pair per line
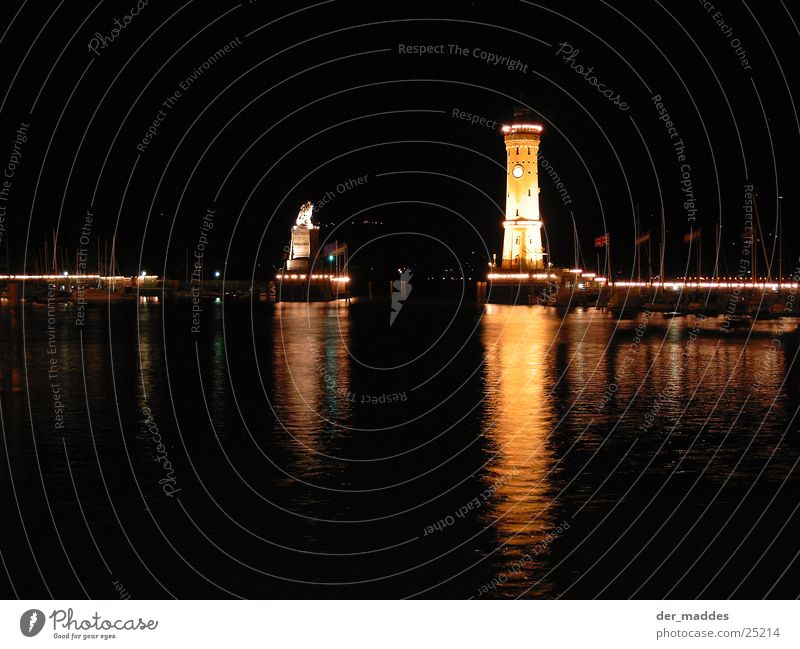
303, 98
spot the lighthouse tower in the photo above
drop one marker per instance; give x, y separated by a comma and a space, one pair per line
522, 240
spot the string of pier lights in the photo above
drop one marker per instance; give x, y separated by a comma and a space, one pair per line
303, 276
675, 286
66, 274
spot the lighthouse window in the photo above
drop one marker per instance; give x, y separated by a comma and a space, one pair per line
516, 241
517, 150
529, 192
529, 150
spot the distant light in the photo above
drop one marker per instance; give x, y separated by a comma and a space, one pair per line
331, 257
144, 272
66, 273
216, 273
577, 271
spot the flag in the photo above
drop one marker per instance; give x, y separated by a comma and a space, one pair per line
643, 238
691, 236
599, 242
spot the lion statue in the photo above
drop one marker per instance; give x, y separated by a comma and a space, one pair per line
304, 215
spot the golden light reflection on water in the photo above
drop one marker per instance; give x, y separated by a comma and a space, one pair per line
11, 355
519, 378
588, 377
312, 376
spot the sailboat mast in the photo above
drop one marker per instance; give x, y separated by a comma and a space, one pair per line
780, 243
638, 255
763, 243
661, 252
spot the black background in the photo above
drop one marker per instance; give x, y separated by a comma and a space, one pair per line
319, 94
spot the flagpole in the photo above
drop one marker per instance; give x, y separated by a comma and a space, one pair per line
575, 240
699, 255
753, 251
663, 246
767, 261
780, 243
661, 268
638, 244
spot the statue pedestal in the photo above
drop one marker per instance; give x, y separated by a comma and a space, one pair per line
304, 248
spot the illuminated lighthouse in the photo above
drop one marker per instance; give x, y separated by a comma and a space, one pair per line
522, 240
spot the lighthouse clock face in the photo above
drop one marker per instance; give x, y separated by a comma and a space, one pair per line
517, 171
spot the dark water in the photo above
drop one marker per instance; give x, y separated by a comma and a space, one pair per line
315, 451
